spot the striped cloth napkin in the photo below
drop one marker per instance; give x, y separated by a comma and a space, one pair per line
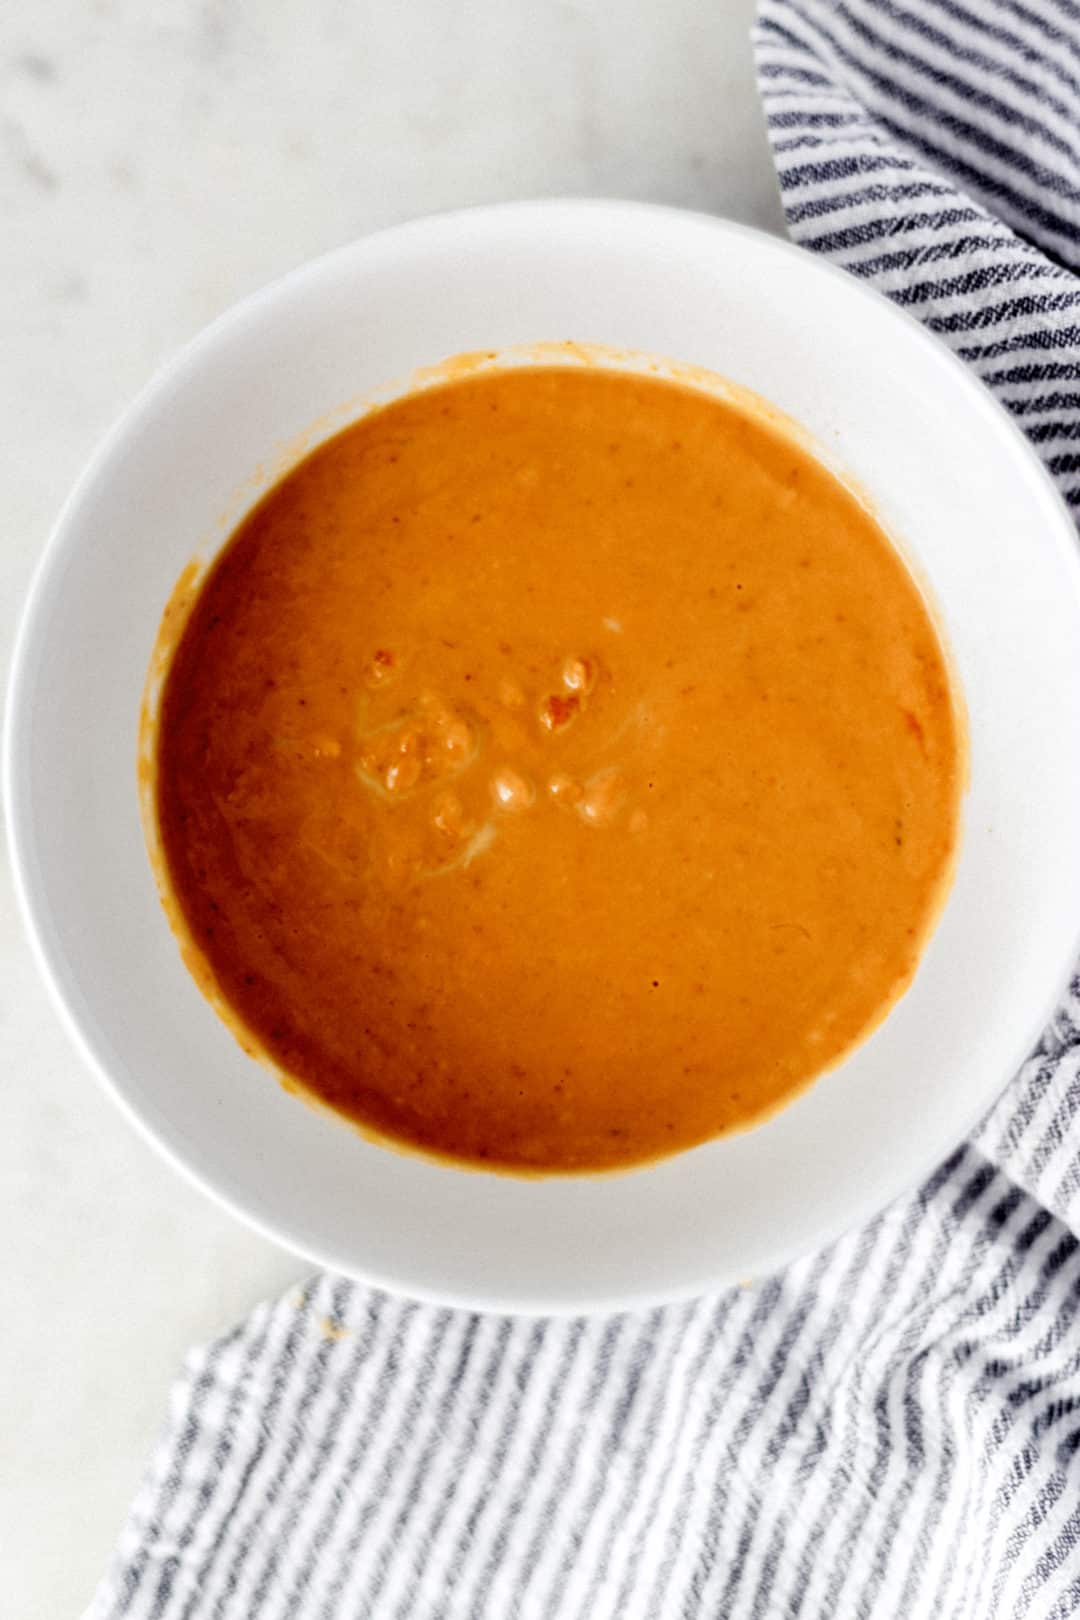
891, 1427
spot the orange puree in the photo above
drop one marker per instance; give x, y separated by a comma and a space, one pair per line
558, 768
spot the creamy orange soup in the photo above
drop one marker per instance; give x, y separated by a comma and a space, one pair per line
558, 768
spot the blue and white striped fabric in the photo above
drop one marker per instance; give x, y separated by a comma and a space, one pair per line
891, 1427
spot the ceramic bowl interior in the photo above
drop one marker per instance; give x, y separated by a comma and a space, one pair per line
953, 482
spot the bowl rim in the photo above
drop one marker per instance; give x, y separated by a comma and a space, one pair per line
18, 741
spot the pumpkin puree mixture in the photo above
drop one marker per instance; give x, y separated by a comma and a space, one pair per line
558, 768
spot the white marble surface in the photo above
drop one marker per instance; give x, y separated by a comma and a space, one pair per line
156, 162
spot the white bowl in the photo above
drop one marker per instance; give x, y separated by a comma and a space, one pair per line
954, 483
